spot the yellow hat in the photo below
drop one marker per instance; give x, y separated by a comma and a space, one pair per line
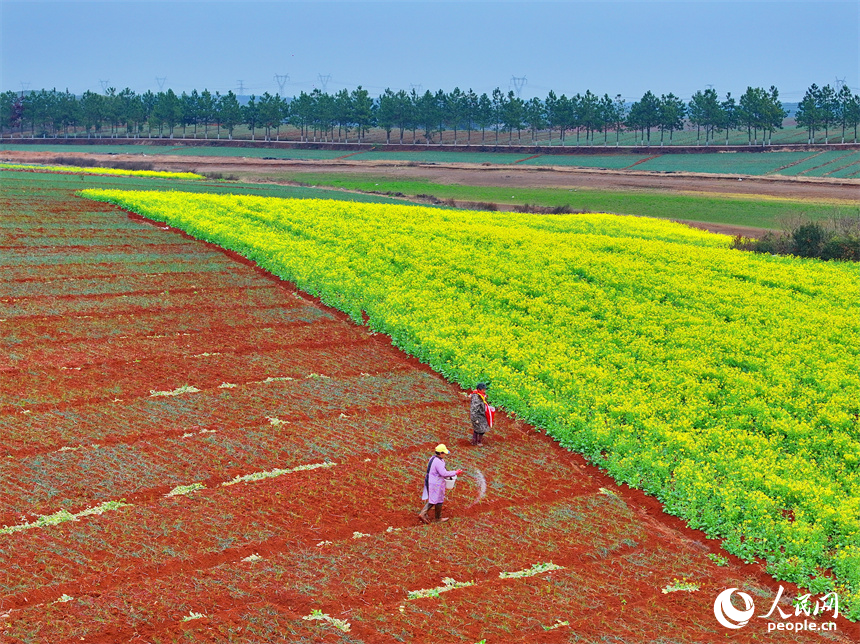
441, 449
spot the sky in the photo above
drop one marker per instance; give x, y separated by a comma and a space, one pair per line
624, 47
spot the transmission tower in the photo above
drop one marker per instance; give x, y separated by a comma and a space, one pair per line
105, 84
518, 82
417, 88
160, 80
25, 86
324, 79
840, 82
282, 80
241, 89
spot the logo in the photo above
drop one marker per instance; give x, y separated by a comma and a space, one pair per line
729, 616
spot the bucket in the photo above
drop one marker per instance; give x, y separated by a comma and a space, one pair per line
449, 482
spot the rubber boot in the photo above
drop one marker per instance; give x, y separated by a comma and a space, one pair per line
423, 514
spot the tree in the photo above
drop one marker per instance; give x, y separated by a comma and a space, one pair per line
128, 110
343, 113
606, 111
705, 112
849, 111
761, 109
363, 110
471, 113
205, 111
843, 103
559, 110
498, 105
513, 111
456, 108
112, 111
188, 107
404, 116
269, 113
230, 112
42, 111
828, 109
535, 116
773, 112
167, 110
386, 113
645, 114
68, 111
671, 114
619, 115
92, 108
11, 111
484, 114
428, 114
807, 115
729, 113
251, 115
301, 114
325, 114
588, 114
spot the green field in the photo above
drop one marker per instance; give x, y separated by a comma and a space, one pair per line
739, 211
848, 162
751, 163
608, 161
441, 156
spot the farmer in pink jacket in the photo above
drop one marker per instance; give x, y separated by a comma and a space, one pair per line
434, 484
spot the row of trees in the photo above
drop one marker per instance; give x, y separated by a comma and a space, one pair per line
319, 116
825, 107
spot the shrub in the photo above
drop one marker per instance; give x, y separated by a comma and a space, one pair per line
809, 239
834, 239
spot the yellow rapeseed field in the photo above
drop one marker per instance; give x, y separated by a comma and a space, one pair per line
110, 171
725, 383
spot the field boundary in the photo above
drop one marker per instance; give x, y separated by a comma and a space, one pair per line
447, 147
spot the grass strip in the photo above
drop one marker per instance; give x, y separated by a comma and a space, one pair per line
740, 210
259, 476
63, 516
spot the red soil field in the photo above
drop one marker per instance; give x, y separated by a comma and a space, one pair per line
136, 360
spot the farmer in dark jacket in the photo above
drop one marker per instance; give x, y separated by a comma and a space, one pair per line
480, 413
